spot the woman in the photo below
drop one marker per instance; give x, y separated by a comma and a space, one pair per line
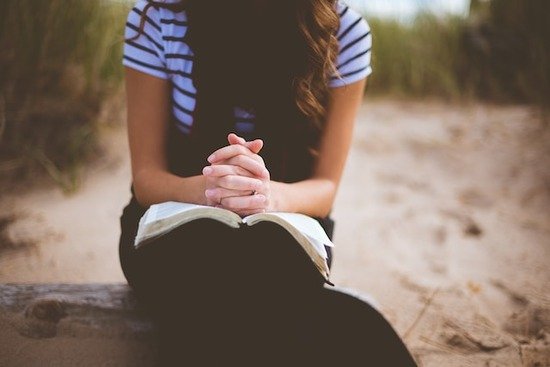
288, 77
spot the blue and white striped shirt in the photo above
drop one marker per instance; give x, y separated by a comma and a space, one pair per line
162, 52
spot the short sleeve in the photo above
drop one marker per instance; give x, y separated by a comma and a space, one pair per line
355, 43
146, 52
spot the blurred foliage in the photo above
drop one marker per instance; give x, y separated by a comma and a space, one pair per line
510, 45
60, 61
500, 53
418, 59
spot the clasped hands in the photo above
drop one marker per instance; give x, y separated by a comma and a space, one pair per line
237, 178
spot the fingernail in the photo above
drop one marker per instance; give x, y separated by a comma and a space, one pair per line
209, 193
261, 198
211, 158
207, 170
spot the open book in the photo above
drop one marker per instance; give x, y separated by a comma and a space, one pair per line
162, 218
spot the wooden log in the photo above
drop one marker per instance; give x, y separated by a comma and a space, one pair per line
74, 325
83, 325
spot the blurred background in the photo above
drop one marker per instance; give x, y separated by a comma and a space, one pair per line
443, 214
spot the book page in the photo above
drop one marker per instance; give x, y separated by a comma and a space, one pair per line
306, 225
166, 210
319, 246
162, 218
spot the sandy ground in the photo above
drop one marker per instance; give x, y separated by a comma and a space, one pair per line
443, 216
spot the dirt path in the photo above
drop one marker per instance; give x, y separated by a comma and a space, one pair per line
71, 238
443, 216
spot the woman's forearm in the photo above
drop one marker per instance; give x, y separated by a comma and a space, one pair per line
313, 197
156, 186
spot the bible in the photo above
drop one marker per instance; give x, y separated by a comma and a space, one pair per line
162, 218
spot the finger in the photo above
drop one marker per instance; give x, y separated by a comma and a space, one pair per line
217, 194
230, 151
248, 164
234, 182
255, 146
244, 213
233, 138
250, 202
219, 170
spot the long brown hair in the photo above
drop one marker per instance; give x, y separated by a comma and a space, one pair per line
277, 65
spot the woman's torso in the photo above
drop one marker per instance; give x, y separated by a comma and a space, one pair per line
163, 52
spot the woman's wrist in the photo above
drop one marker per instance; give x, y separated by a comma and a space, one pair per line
277, 197
313, 197
191, 190
154, 187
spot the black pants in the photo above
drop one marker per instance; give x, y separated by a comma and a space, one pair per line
249, 297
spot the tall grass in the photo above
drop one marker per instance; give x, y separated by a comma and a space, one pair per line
418, 59
509, 42
60, 61
500, 53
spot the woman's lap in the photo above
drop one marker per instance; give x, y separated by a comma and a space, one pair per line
248, 294
206, 256
208, 284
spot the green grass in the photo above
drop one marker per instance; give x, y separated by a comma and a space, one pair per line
418, 59
60, 61
500, 53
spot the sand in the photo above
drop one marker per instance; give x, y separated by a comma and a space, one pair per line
443, 217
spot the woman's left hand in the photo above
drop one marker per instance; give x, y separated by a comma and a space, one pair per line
238, 152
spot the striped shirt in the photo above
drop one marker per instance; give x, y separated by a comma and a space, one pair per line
162, 52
